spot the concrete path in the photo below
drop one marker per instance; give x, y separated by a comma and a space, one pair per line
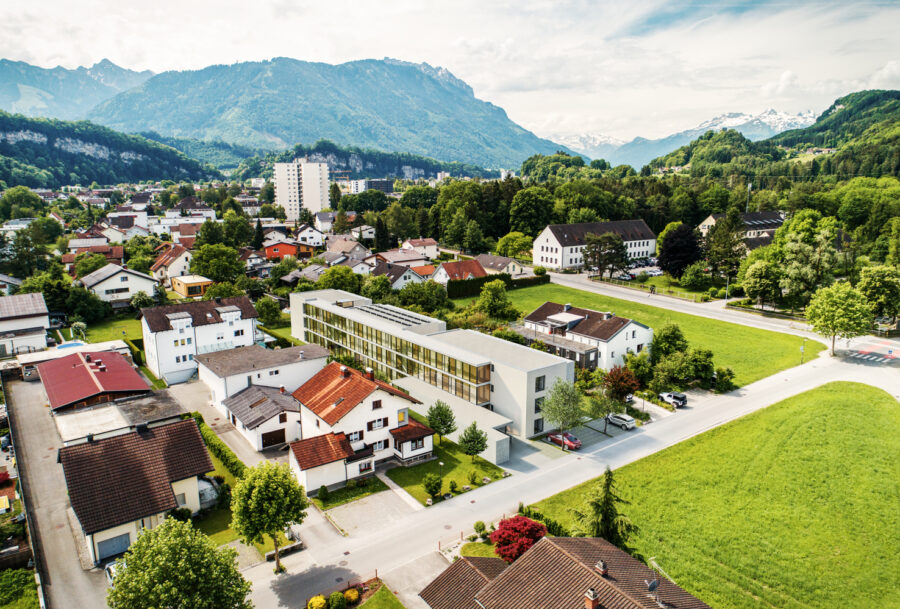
400, 492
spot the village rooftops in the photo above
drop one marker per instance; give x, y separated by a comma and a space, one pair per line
257, 404
85, 376
586, 322
254, 357
105, 272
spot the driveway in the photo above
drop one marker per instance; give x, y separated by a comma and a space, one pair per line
384, 509
37, 444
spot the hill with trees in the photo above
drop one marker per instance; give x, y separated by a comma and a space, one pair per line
44, 153
220, 154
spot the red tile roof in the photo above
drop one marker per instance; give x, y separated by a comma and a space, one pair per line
413, 430
425, 271
168, 256
118, 480
458, 585
186, 230
78, 377
187, 242
321, 450
336, 390
113, 253
422, 242
464, 269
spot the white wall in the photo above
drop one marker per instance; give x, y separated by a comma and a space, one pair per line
22, 323
254, 436
132, 285
311, 479
547, 252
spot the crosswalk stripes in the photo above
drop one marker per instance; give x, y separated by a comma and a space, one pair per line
870, 357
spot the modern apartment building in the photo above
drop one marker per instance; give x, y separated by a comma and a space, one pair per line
474, 368
301, 183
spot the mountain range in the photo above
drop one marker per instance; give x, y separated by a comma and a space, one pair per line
640, 151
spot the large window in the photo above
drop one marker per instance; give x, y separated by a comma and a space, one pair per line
540, 383
538, 425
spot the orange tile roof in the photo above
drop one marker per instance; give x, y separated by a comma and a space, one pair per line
426, 270
464, 269
332, 393
321, 450
169, 256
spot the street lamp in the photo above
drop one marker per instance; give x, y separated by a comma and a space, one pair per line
441, 463
802, 349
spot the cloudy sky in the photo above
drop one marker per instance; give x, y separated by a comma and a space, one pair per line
625, 69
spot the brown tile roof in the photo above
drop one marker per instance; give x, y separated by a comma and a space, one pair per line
186, 230
574, 234
464, 269
422, 242
121, 479
321, 450
593, 325
558, 571
394, 272
336, 390
187, 242
81, 376
490, 261
202, 312
253, 357
257, 404
458, 585
113, 253
171, 253
344, 245
413, 430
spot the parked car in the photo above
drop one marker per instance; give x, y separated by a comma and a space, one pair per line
111, 570
566, 440
623, 277
674, 398
629, 398
655, 273
621, 420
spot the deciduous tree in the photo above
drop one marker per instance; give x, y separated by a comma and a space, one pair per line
562, 408
473, 441
606, 252
269, 311
667, 340
839, 311
515, 536
531, 210
441, 419
620, 382
217, 262
881, 287
761, 282
678, 250
513, 244
494, 301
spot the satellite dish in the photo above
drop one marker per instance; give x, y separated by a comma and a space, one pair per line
652, 586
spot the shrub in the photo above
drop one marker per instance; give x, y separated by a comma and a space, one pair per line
479, 527
317, 602
515, 536
554, 528
181, 514
642, 277
724, 380
714, 292
352, 596
540, 271
323, 493
217, 447
453, 486
693, 278
432, 484
224, 497
473, 477
472, 537
351, 484
14, 584
720, 293
337, 601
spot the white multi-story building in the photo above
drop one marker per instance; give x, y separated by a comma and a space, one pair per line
561, 246
480, 370
24, 321
117, 285
175, 334
301, 183
367, 420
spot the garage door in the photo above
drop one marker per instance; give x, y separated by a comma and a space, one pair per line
272, 438
113, 546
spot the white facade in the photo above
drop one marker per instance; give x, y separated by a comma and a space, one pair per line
631, 338
429, 250
290, 376
288, 421
201, 214
363, 232
311, 235
23, 334
170, 353
547, 251
121, 286
301, 184
179, 267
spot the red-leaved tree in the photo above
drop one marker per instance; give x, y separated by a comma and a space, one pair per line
515, 536
619, 382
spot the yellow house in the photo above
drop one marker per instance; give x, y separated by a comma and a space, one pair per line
190, 286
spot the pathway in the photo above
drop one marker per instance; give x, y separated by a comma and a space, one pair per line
399, 491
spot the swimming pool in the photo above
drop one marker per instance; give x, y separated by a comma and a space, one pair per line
70, 344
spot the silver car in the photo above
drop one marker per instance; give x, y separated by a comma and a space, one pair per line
621, 420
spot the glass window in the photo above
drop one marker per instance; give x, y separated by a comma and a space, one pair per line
538, 402
538, 425
540, 383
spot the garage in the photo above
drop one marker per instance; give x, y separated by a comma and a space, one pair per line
113, 546
273, 438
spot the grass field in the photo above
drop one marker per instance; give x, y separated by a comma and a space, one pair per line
790, 507
752, 353
285, 333
383, 599
478, 548
346, 495
111, 329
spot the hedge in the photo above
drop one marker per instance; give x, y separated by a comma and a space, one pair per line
137, 353
217, 447
461, 288
554, 528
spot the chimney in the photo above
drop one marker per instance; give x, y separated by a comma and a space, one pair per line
601, 567
370, 374
591, 599
566, 307
281, 388
87, 357
345, 372
89, 438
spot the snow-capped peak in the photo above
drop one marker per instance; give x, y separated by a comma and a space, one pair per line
776, 120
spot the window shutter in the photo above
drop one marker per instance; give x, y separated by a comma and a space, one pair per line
384, 422
369, 425
387, 443
361, 434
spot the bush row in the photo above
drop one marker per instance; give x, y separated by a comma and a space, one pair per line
217, 447
137, 353
461, 288
554, 528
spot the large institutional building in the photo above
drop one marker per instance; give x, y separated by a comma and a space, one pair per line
301, 183
561, 246
486, 379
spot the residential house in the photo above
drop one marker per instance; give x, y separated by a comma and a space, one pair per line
190, 286
310, 272
458, 270
8, 283
285, 247
341, 407
172, 260
363, 232
226, 373
191, 206
81, 244
590, 338
117, 285
398, 256
427, 247
756, 223
561, 246
267, 417
325, 220
84, 379
357, 266
310, 235
175, 334
558, 572
331, 258
399, 275
426, 271
24, 321
122, 485
349, 248
114, 254
494, 265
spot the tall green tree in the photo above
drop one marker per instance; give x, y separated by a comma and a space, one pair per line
474, 241
340, 278
667, 340
86, 263
761, 282
210, 233
217, 262
473, 441
606, 252
601, 516
382, 237
269, 312
531, 210
664, 232
601, 406
725, 243
175, 565
441, 419
494, 301
513, 244
376, 287
678, 249
839, 311
881, 287
334, 195
562, 408
265, 502
258, 236
236, 229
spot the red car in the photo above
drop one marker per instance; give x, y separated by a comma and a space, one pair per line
566, 440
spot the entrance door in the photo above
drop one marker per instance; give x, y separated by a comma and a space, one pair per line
113, 546
272, 438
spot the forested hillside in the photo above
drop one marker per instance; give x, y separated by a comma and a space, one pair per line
50, 153
220, 154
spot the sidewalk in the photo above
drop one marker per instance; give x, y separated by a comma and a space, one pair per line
406, 497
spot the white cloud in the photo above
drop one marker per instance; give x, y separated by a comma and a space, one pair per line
554, 66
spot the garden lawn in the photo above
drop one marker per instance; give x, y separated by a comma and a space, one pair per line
383, 599
478, 548
457, 466
157, 383
285, 333
752, 353
789, 507
346, 495
111, 329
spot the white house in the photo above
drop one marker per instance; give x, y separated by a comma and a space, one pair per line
363, 232
458, 270
428, 247
227, 372
500, 264
116, 284
23, 323
349, 423
7, 283
175, 334
192, 207
174, 260
400, 276
310, 235
121, 485
349, 248
357, 266
561, 246
591, 339
265, 416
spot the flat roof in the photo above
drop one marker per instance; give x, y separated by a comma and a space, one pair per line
115, 416
30, 359
192, 278
498, 350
